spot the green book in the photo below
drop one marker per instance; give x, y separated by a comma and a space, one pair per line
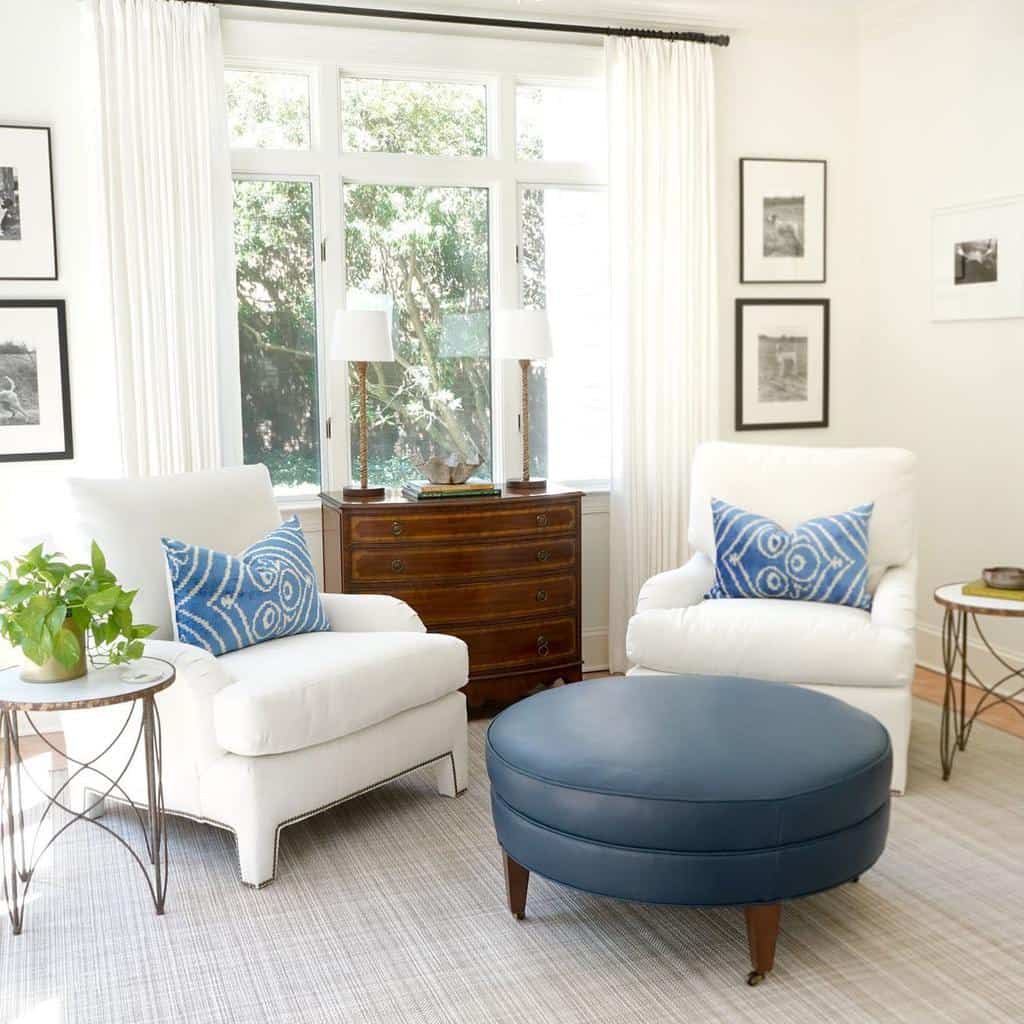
979, 588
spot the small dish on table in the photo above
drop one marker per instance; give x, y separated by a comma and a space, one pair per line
1003, 577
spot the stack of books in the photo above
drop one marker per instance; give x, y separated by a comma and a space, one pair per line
421, 490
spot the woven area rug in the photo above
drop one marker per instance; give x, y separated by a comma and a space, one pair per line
390, 908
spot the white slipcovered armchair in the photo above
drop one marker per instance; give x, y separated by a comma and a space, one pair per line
263, 737
863, 658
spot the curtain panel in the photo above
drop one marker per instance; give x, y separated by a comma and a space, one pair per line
664, 282
157, 70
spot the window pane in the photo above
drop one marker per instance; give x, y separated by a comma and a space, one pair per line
428, 118
560, 123
267, 109
422, 254
277, 332
564, 269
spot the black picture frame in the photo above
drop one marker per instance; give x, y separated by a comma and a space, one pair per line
824, 215
823, 422
53, 202
68, 451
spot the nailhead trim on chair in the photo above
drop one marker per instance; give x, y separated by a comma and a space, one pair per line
450, 754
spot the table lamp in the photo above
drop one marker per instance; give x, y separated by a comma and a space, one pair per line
523, 334
362, 336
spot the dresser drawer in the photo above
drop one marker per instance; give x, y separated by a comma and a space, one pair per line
496, 599
463, 561
425, 522
547, 641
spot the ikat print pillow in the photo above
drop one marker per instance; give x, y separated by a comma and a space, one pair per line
225, 602
824, 559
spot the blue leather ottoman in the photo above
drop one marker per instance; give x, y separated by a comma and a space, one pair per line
689, 790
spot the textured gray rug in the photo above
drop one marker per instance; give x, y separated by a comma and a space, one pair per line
390, 908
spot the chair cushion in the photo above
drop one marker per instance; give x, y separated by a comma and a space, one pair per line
223, 602
298, 691
824, 559
791, 484
786, 641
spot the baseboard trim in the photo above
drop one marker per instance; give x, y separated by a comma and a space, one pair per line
595, 649
929, 655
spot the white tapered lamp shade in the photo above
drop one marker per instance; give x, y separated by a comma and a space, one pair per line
523, 334
362, 336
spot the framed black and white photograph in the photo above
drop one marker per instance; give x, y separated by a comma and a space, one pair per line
978, 261
782, 221
781, 363
28, 237
35, 396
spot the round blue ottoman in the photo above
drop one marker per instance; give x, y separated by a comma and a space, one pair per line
689, 790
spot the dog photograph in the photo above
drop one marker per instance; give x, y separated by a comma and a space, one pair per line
783, 226
10, 206
19, 384
781, 368
976, 262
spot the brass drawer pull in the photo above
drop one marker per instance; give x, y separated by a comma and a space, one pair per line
543, 555
542, 645
542, 595
397, 565
396, 528
542, 519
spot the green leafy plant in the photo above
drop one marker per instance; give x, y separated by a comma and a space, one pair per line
41, 594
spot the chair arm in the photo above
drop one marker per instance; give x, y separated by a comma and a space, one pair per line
678, 588
370, 613
894, 605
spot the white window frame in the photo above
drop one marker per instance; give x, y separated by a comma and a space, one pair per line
327, 53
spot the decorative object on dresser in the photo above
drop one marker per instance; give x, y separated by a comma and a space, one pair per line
35, 391
503, 574
782, 357
28, 238
523, 334
362, 336
782, 221
416, 490
450, 469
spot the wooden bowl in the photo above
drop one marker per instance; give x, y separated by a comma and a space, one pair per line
1003, 577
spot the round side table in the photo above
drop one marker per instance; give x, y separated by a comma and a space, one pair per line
136, 685
961, 610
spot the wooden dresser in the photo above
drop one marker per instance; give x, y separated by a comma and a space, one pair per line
501, 573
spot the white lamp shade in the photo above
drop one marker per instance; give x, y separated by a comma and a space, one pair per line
522, 334
362, 336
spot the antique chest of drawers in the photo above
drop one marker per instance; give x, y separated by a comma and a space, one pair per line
501, 573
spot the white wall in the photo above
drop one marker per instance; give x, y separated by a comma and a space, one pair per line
40, 85
942, 95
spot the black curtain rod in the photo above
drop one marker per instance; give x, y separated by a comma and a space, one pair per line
459, 19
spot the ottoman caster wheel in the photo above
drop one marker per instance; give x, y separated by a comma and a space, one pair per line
519, 917
755, 978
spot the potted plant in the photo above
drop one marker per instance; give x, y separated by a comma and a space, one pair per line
57, 612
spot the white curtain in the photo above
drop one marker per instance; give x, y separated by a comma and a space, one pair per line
664, 283
157, 70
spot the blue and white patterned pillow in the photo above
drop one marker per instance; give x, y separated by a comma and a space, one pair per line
225, 602
824, 559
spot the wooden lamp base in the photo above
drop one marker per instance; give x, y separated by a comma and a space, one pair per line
355, 491
521, 486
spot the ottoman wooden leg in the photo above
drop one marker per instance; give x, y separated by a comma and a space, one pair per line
517, 881
762, 931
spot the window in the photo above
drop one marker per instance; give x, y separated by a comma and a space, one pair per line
422, 255
267, 110
560, 123
433, 178
277, 330
383, 115
564, 269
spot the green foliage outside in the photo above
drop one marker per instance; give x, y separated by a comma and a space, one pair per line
40, 593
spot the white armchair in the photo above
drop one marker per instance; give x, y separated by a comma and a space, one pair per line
863, 658
260, 738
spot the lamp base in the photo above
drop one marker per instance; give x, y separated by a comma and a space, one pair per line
355, 491
521, 486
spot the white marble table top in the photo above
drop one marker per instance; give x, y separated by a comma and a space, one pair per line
952, 595
113, 685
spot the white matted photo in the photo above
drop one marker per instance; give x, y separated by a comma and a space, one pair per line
35, 398
782, 221
978, 261
28, 239
782, 361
